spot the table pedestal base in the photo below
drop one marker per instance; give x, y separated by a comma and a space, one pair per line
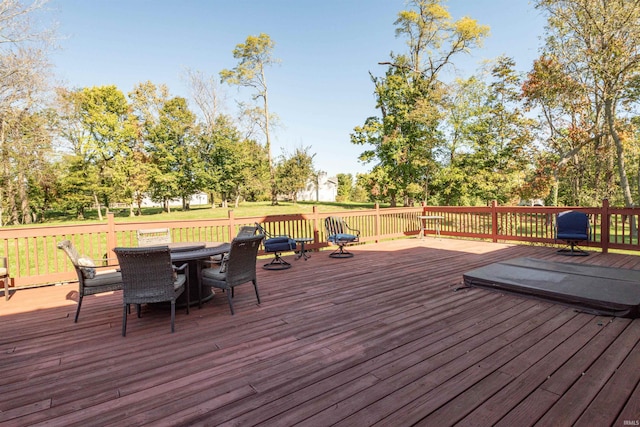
303, 251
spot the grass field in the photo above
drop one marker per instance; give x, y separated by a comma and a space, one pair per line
245, 209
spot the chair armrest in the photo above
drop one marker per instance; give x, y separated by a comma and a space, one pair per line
357, 232
111, 266
182, 267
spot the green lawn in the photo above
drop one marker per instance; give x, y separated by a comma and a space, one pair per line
245, 209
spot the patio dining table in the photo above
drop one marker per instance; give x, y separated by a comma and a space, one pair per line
192, 252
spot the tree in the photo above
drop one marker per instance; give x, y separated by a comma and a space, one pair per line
600, 42
97, 123
26, 146
204, 92
345, 187
173, 149
406, 135
146, 102
78, 184
294, 172
233, 167
497, 138
25, 139
254, 56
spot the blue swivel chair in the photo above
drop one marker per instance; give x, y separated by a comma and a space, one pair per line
339, 233
276, 245
573, 228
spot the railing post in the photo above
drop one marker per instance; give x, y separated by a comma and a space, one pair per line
377, 223
316, 232
111, 235
494, 221
605, 222
231, 224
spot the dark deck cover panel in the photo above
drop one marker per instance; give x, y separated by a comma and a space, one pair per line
599, 290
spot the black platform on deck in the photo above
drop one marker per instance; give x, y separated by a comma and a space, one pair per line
599, 290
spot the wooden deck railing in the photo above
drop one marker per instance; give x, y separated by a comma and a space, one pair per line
34, 260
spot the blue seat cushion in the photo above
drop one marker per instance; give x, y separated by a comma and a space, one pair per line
572, 236
342, 237
279, 244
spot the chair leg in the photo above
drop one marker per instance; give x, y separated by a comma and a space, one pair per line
173, 316
125, 308
6, 288
229, 298
199, 286
78, 308
188, 293
255, 286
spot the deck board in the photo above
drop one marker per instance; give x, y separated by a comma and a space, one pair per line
388, 337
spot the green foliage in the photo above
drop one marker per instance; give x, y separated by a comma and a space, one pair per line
233, 167
294, 172
254, 56
345, 187
592, 62
77, 185
97, 123
463, 143
172, 145
406, 138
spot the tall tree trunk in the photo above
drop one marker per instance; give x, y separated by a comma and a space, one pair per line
98, 205
25, 212
624, 181
272, 169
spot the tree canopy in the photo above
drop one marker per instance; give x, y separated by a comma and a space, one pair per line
566, 131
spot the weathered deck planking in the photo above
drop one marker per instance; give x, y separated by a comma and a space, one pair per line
389, 337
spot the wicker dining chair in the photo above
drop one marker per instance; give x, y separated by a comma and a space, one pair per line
238, 269
244, 231
148, 276
4, 276
92, 278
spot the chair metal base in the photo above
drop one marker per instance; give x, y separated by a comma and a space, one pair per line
277, 264
573, 250
341, 252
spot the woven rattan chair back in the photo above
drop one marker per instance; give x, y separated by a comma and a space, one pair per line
239, 268
147, 274
148, 277
247, 231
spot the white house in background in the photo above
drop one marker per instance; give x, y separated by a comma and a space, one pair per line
196, 199
326, 190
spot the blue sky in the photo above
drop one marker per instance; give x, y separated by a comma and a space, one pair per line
321, 89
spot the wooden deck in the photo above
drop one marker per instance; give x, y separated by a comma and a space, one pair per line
383, 338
